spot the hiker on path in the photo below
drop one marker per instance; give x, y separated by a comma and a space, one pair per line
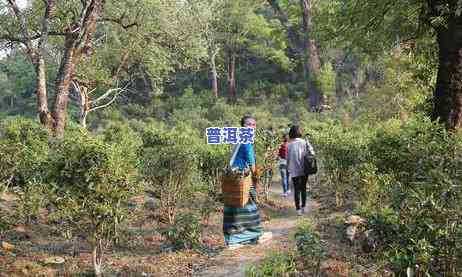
242, 225
297, 149
282, 164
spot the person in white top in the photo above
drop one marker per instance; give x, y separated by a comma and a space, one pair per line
296, 151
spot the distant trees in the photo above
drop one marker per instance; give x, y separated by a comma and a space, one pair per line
158, 34
378, 25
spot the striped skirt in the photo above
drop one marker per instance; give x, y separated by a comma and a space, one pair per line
242, 225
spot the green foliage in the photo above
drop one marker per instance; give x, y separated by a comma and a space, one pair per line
92, 183
342, 151
32, 197
325, 80
405, 179
23, 148
169, 166
398, 91
126, 138
308, 245
185, 232
212, 160
423, 162
274, 264
16, 85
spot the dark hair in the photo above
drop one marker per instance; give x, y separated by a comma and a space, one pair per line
295, 132
245, 118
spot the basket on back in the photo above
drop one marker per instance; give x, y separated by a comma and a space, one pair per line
236, 188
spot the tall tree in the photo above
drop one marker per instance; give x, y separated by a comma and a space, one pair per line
245, 29
302, 43
91, 38
209, 14
77, 34
448, 91
312, 64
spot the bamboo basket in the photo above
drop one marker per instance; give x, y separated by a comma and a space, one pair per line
236, 188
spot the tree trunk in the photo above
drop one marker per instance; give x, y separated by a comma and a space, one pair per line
41, 91
311, 62
97, 256
75, 45
448, 92
63, 79
148, 88
214, 74
232, 74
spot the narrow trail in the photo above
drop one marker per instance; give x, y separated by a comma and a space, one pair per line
232, 263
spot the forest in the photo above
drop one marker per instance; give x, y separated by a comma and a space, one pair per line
105, 168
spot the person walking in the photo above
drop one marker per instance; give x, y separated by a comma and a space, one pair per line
297, 149
282, 164
242, 225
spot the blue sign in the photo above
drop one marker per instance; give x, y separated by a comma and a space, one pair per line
229, 135
213, 135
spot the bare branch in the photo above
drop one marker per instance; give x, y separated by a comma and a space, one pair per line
107, 94
107, 104
91, 91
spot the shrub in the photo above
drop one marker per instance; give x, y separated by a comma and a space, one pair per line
170, 167
32, 197
308, 246
185, 233
23, 150
212, 160
92, 182
418, 171
343, 152
274, 264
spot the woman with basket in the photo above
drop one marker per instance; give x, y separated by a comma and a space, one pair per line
241, 221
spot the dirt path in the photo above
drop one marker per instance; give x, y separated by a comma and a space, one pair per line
232, 263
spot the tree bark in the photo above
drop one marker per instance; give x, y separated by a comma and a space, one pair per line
147, 85
97, 255
36, 55
232, 74
213, 72
63, 79
75, 45
448, 92
311, 62
41, 92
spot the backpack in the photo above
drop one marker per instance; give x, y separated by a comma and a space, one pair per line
310, 165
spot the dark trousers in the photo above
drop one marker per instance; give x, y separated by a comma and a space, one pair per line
300, 190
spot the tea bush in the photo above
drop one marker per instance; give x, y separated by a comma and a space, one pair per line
92, 182
185, 232
170, 166
419, 167
23, 151
274, 264
405, 178
308, 246
343, 151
